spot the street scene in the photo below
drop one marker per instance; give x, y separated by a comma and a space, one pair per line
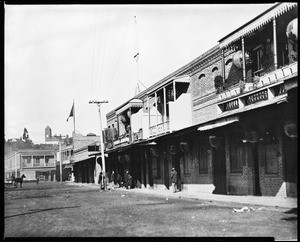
151, 120
49, 209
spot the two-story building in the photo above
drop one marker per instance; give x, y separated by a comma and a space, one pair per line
226, 121
32, 163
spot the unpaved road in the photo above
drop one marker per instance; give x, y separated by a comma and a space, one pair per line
54, 210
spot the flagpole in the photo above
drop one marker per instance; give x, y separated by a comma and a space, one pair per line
74, 117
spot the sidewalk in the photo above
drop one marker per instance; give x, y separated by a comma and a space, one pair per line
281, 202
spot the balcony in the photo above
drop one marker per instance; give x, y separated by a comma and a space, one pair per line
34, 165
269, 79
160, 128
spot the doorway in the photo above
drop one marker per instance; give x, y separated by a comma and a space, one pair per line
291, 151
219, 168
256, 180
166, 173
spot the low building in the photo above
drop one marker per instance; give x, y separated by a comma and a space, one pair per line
32, 163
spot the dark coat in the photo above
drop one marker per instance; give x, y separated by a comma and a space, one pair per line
174, 178
112, 177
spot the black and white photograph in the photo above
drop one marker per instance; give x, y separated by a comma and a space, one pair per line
151, 121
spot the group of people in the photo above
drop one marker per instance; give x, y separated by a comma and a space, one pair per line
116, 180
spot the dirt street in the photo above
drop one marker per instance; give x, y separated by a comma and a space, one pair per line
53, 210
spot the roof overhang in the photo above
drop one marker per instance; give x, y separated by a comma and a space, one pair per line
256, 23
134, 103
219, 123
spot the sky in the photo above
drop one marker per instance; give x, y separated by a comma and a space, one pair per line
57, 54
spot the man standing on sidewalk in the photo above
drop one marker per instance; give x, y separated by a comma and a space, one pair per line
174, 179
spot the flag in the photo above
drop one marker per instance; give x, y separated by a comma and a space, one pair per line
136, 56
71, 113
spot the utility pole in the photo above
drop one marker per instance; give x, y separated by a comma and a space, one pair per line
60, 163
101, 140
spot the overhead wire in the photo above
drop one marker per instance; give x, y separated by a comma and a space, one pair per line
118, 58
93, 54
98, 83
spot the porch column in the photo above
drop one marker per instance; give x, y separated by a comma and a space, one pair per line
118, 126
165, 109
148, 105
142, 170
275, 45
147, 170
130, 128
155, 95
244, 61
174, 90
223, 66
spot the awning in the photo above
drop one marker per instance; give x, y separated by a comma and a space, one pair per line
256, 23
134, 103
217, 124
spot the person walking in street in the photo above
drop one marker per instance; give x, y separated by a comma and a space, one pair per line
100, 180
174, 179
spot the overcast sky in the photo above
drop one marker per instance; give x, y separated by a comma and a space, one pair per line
55, 54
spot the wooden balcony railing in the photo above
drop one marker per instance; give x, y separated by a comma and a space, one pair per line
28, 165
267, 79
160, 128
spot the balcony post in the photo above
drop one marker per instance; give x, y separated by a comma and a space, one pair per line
223, 66
148, 106
165, 107
275, 44
155, 95
174, 90
244, 60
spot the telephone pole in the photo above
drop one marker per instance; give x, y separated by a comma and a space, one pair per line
101, 140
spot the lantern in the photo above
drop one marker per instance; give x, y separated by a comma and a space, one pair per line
214, 141
173, 149
252, 136
153, 152
185, 147
292, 30
238, 59
290, 127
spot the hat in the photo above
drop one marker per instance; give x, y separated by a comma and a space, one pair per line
173, 168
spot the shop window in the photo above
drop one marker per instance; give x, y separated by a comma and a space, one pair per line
237, 155
185, 164
155, 167
271, 159
203, 160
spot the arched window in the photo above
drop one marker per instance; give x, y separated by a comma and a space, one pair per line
228, 62
214, 69
201, 76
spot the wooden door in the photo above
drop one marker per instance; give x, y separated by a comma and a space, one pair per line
219, 170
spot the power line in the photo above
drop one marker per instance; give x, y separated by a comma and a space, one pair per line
117, 63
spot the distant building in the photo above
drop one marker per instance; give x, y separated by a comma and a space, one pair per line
32, 163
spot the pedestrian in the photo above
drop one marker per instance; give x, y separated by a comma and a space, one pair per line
128, 179
174, 179
100, 180
112, 180
119, 180
13, 179
37, 180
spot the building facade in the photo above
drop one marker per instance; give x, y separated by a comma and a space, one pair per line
227, 121
32, 163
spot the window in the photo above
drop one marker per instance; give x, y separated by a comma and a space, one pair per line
257, 59
237, 155
155, 166
271, 159
26, 159
203, 159
185, 164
